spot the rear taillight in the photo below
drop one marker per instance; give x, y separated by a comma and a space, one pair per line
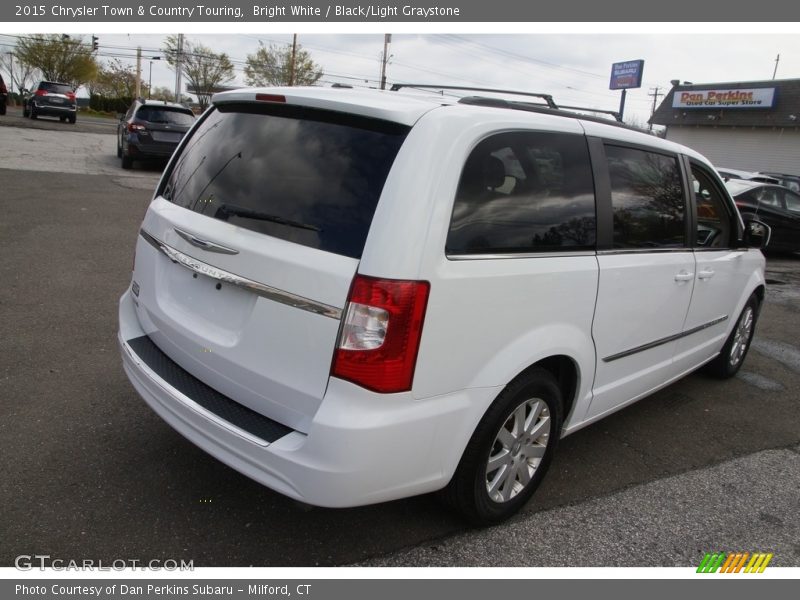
41, 93
134, 127
71, 96
379, 340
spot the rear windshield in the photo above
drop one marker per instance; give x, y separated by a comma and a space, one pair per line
308, 176
165, 114
56, 88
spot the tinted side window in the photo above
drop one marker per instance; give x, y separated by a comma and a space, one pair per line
646, 198
713, 220
524, 192
792, 201
770, 196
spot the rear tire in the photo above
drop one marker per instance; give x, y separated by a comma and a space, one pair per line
33, 113
510, 450
733, 353
72, 120
127, 162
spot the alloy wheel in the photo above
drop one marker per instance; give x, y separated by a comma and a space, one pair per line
517, 450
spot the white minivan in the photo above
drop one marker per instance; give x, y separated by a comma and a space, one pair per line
353, 296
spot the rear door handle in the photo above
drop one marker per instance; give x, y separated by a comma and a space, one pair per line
684, 276
707, 274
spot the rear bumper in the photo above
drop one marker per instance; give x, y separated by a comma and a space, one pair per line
55, 111
136, 149
361, 448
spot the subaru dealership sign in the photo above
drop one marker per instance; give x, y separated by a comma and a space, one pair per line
626, 75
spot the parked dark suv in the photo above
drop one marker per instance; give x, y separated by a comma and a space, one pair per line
52, 99
3, 96
151, 129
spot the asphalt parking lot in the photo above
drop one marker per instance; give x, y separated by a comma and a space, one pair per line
91, 472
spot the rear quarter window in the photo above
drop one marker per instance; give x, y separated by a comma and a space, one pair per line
524, 192
308, 176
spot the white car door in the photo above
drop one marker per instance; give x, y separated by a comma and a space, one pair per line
646, 276
722, 271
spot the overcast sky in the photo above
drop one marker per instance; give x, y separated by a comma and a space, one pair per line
574, 68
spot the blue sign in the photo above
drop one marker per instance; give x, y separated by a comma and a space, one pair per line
626, 75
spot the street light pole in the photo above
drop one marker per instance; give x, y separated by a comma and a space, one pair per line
150, 81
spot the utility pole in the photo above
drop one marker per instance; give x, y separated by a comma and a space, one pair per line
294, 57
11, 72
179, 68
138, 88
655, 96
387, 39
777, 60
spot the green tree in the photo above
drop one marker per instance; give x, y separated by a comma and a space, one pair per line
116, 80
272, 65
59, 58
204, 69
168, 95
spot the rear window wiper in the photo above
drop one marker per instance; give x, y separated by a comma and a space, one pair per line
231, 210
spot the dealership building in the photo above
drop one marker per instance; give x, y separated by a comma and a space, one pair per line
750, 125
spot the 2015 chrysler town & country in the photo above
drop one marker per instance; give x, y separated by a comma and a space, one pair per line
354, 296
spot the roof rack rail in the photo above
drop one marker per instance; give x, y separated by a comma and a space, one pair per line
613, 113
551, 104
538, 108
546, 97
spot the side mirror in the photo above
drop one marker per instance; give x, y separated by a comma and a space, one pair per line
756, 234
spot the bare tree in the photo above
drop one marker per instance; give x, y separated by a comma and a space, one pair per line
204, 69
24, 75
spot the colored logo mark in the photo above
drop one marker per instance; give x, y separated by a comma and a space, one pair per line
734, 562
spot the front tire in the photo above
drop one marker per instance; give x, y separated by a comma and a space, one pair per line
733, 353
510, 450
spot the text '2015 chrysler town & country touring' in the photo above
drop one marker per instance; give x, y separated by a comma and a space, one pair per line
354, 296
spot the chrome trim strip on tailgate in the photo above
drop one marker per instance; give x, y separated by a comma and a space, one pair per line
204, 244
265, 291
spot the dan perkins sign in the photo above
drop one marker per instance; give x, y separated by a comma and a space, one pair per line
746, 98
